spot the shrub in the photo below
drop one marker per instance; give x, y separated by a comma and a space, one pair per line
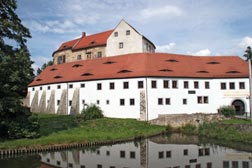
92, 112
227, 111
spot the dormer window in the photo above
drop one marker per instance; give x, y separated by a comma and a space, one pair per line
165, 70
127, 32
87, 74
76, 65
232, 72
202, 72
92, 42
171, 60
213, 62
39, 79
115, 34
109, 62
53, 69
124, 71
57, 77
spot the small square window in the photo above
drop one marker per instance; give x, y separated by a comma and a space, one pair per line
161, 155
160, 101
70, 102
231, 85
48, 87
168, 154
153, 84
99, 166
78, 57
99, 54
174, 84
58, 163
167, 101
83, 102
241, 85
58, 86
33, 89
125, 85
122, 102
223, 86
132, 102
99, 86
70, 86
186, 84
58, 102
196, 84
70, 165
184, 101
82, 166
185, 151
111, 85
108, 153
199, 98
121, 45
127, 32
82, 85
115, 34
122, 154
166, 84
97, 101
132, 155
140, 84
207, 85
98, 152
40, 88
107, 101
205, 98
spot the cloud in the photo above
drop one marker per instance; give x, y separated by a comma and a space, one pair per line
166, 48
204, 52
167, 10
245, 42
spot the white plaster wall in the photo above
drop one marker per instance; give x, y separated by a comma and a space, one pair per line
131, 43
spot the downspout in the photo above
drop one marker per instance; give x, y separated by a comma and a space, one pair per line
67, 99
146, 91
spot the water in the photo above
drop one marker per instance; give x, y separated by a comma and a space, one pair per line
175, 151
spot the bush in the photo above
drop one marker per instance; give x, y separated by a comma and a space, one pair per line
227, 111
91, 112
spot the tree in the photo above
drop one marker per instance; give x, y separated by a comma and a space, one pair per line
15, 74
39, 70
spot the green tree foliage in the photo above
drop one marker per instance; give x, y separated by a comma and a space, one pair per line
39, 70
91, 112
15, 74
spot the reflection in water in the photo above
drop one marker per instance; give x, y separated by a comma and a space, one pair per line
176, 151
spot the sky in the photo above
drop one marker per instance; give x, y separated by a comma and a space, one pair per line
191, 27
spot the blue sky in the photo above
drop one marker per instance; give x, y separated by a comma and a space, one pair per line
195, 27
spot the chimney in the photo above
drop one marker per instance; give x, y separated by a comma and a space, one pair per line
83, 34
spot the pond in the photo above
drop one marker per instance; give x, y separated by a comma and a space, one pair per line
173, 151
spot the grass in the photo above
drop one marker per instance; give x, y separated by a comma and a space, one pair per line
89, 131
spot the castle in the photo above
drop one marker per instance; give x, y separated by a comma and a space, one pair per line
119, 71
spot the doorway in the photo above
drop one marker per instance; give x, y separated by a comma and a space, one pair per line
239, 107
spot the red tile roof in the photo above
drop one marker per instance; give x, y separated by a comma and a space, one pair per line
145, 65
93, 40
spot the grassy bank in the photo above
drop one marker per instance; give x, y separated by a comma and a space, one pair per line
65, 129
233, 130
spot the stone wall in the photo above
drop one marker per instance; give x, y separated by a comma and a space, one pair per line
178, 120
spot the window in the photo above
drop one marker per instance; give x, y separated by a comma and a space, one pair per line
232, 85
132, 155
125, 85
225, 164
205, 98
160, 101
121, 45
168, 154
78, 57
207, 85
202, 99
48, 87
174, 84
167, 101
209, 165
99, 166
107, 101
33, 89
166, 84
83, 101
199, 99
40, 88
115, 34
185, 152
122, 154
127, 32
108, 153
70, 86
97, 101
99, 54
186, 85
58, 102
111, 85
98, 152
241, 85
122, 102
223, 86
160, 155
245, 164
70, 165
153, 84
58, 163
132, 102
82, 166
99, 86
61, 59
196, 84
184, 101
82, 85
140, 84
70, 102
58, 86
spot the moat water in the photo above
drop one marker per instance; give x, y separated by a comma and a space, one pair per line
170, 151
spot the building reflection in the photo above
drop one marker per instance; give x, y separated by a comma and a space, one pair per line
158, 152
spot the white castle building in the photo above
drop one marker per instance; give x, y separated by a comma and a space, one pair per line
119, 71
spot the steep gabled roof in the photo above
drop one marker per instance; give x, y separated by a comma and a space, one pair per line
84, 42
145, 65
